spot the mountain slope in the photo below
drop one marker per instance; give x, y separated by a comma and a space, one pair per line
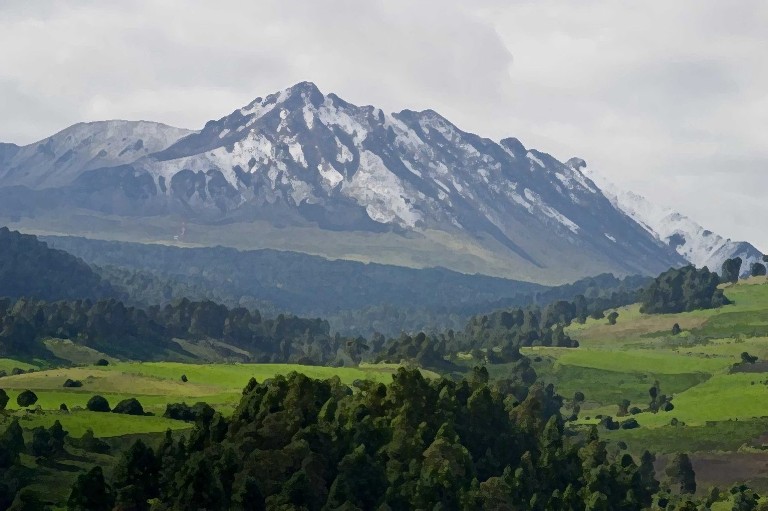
30, 268
696, 244
61, 158
300, 170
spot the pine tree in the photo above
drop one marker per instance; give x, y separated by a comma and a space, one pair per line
91, 493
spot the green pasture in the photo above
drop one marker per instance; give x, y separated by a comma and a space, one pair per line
720, 410
8, 364
154, 384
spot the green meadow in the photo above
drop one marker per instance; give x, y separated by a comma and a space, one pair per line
155, 385
720, 413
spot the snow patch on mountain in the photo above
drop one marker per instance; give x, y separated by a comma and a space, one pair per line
59, 159
381, 192
699, 246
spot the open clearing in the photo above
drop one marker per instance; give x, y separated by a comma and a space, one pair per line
154, 384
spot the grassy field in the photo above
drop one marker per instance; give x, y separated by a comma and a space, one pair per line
720, 416
155, 385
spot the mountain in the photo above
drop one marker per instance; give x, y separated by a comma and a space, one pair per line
59, 159
304, 171
699, 246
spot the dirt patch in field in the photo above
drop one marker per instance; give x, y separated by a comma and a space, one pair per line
96, 380
725, 469
637, 327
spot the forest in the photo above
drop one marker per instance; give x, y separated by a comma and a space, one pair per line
463, 440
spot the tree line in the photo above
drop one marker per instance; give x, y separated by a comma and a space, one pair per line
298, 443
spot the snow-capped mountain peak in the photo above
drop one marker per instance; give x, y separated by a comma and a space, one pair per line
697, 245
439, 195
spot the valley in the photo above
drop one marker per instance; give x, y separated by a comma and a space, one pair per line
719, 416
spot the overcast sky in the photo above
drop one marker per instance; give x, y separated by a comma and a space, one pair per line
669, 99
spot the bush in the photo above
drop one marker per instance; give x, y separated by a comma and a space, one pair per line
609, 424
130, 406
17, 370
184, 378
630, 424
72, 383
102, 362
184, 412
3, 399
63, 407
757, 270
98, 404
612, 317
731, 269
26, 398
676, 329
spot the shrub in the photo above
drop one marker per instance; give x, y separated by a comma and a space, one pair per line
184, 412
130, 406
630, 424
3, 399
26, 398
612, 317
63, 407
676, 329
72, 383
102, 362
184, 378
17, 370
731, 269
98, 404
609, 424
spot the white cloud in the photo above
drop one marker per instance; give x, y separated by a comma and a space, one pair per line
667, 97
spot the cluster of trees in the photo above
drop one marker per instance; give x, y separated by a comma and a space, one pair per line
298, 443
539, 326
112, 327
12, 474
683, 289
44, 444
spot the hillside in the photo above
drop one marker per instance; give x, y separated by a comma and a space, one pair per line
719, 414
29, 267
356, 298
305, 171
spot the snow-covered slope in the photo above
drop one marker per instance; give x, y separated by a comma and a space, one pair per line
696, 244
60, 159
353, 181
